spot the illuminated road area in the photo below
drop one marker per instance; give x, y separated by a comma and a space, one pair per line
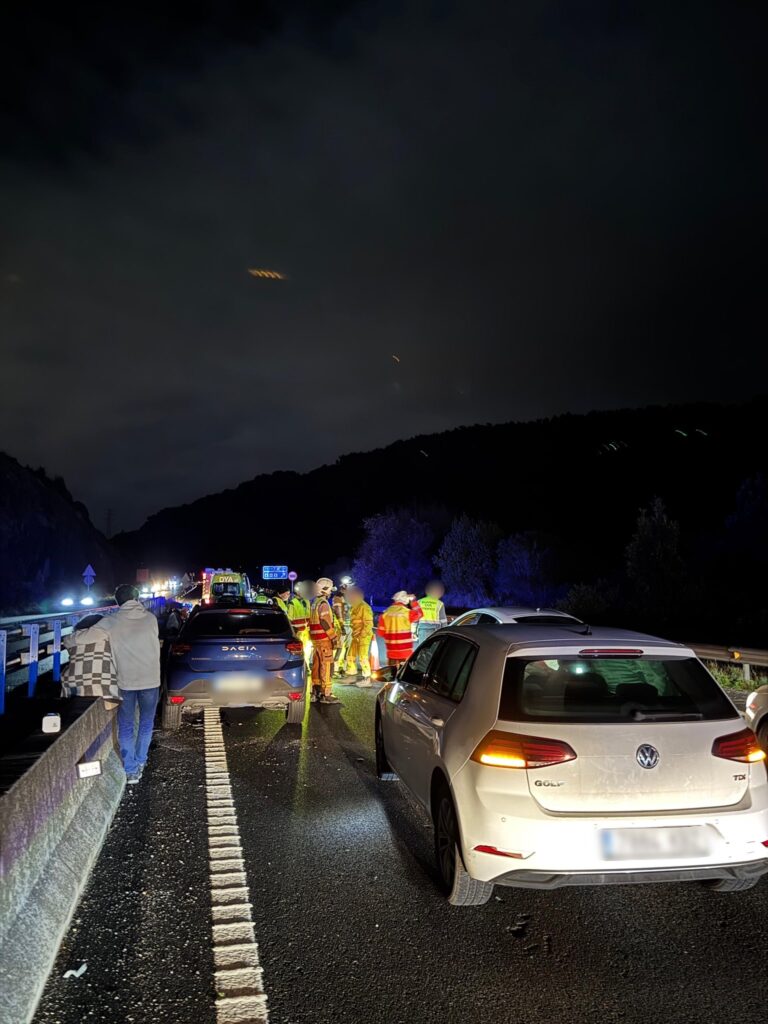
346, 915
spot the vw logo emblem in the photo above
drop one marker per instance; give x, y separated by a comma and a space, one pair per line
647, 756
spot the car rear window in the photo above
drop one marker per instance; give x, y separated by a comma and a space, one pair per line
610, 690
236, 623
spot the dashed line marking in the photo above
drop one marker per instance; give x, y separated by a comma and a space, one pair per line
240, 995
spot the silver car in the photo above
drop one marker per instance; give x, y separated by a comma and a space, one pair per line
491, 616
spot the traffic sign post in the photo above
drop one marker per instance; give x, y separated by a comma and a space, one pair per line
292, 576
89, 575
3, 650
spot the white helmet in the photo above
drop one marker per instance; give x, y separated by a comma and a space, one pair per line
401, 597
324, 585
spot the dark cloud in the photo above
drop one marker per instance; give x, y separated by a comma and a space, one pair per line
536, 209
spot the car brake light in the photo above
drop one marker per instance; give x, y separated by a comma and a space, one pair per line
739, 746
178, 649
295, 696
513, 750
177, 700
611, 652
295, 647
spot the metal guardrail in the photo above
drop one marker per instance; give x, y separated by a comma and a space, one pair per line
31, 645
745, 658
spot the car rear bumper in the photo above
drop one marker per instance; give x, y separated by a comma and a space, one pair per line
268, 690
526, 879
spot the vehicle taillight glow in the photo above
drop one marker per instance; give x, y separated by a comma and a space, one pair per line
295, 696
177, 700
513, 750
739, 746
177, 649
295, 647
498, 853
611, 652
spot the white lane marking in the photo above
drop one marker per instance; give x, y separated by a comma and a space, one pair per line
240, 996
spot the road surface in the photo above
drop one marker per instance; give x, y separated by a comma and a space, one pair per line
349, 924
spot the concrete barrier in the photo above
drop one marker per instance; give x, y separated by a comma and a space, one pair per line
52, 825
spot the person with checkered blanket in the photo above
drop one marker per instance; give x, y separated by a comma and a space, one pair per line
91, 670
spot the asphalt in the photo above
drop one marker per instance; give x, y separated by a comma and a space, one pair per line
348, 918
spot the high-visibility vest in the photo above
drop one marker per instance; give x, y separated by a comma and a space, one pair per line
298, 614
361, 619
395, 627
262, 599
317, 630
281, 604
432, 608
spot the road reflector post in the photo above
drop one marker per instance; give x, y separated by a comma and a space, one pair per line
33, 632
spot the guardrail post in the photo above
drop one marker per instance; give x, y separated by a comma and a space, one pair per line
747, 672
57, 650
33, 632
3, 649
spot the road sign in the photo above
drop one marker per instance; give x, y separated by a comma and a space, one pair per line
293, 576
274, 572
89, 575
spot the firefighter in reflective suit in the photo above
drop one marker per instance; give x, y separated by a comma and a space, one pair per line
323, 635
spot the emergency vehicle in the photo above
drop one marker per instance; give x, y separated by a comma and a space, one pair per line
225, 583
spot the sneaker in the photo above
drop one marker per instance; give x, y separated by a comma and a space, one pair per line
132, 778
365, 683
328, 698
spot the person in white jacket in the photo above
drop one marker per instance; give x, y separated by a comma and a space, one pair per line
133, 634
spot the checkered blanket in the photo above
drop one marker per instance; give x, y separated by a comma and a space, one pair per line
90, 671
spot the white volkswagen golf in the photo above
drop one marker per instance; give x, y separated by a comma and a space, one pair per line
552, 755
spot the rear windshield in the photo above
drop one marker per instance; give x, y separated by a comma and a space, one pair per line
610, 690
234, 623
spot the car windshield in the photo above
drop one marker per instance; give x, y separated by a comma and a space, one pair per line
213, 625
611, 689
225, 588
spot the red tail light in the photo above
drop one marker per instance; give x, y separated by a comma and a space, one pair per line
177, 700
513, 750
295, 696
294, 647
739, 746
498, 853
179, 649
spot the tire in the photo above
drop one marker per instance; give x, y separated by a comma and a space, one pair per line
731, 884
294, 713
460, 888
171, 717
383, 767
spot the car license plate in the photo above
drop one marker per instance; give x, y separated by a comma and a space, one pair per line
653, 843
237, 684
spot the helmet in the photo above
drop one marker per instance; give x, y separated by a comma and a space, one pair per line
401, 597
324, 585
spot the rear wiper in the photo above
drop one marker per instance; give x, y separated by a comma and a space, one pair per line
667, 716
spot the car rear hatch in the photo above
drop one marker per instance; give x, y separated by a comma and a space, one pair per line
642, 728
237, 640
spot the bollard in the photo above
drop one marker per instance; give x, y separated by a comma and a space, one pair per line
33, 632
57, 650
3, 649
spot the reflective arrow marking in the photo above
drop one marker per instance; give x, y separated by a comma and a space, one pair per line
240, 995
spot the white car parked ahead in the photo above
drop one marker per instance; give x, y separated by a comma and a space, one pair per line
553, 755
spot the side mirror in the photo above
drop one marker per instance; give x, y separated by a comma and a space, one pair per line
385, 675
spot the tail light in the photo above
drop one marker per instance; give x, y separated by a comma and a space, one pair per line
295, 647
295, 696
177, 700
512, 750
178, 649
498, 853
739, 746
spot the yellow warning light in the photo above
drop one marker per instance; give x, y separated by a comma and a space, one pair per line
736, 655
273, 275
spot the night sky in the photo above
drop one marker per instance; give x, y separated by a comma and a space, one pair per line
537, 206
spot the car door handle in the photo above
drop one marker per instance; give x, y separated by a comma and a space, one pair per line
439, 722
